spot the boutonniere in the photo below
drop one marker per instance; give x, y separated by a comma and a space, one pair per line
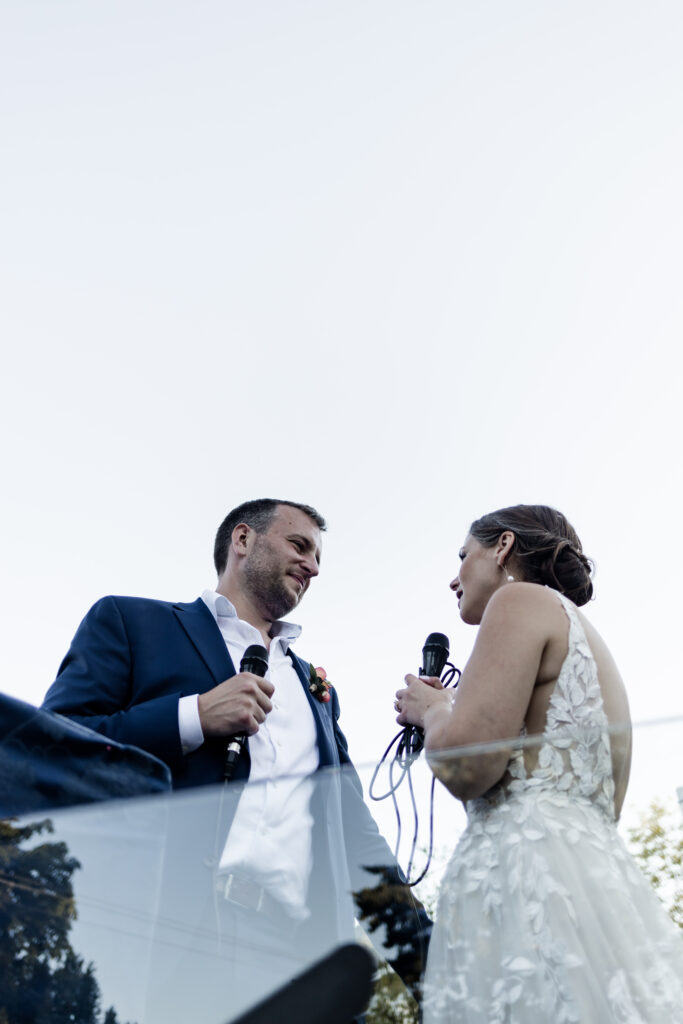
318, 684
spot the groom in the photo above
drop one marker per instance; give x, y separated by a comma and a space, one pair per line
163, 677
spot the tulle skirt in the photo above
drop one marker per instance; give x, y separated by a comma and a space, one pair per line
544, 916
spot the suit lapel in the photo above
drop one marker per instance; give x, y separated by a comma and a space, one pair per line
203, 631
322, 715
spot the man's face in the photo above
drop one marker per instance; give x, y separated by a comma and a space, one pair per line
282, 561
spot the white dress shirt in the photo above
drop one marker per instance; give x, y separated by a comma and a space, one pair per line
271, 835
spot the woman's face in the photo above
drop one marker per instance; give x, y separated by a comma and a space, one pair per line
479, 578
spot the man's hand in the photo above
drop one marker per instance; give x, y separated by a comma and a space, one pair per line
238, 705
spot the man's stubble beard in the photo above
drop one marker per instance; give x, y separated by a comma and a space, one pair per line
265, 580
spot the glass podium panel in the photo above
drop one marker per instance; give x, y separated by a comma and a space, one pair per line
201, 904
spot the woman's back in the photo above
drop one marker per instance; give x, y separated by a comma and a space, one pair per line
611, 686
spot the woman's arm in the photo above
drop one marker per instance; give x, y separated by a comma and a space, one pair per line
493, 695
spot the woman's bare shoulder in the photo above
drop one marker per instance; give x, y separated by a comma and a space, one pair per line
521, 598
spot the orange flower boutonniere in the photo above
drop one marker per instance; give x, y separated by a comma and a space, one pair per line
318, 684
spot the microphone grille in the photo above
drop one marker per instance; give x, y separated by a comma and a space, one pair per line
438, 640
258, 651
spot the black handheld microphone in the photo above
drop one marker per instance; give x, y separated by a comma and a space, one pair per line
434, 654
409, 742
254, 660
434, 657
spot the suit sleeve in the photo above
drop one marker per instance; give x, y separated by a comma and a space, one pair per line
94, 687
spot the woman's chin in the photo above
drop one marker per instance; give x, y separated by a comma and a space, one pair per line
469, 616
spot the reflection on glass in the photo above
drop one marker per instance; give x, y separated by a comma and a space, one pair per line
41, 977
127, 911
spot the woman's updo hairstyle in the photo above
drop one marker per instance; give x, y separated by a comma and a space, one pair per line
546, 548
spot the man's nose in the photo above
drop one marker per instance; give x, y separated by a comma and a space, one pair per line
454, 584
311, 566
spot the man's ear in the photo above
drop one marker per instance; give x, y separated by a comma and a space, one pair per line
241, 539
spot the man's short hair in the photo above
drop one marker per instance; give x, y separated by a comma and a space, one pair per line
258, 514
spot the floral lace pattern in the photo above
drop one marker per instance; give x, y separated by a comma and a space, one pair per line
543, 915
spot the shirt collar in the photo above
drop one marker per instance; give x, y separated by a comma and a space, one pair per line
221, 608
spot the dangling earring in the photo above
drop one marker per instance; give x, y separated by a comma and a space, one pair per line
509, 578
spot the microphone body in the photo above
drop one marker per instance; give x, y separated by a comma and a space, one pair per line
254, 660
434, 657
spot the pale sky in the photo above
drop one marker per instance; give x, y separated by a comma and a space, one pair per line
408, 262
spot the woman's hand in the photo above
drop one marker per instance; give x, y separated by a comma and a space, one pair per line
419, 695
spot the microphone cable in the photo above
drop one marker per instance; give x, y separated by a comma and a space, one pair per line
409, 743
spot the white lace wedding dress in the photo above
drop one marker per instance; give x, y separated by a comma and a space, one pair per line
543, 915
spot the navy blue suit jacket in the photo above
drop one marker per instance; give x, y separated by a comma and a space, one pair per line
133, 658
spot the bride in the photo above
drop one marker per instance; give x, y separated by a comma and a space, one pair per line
543, 916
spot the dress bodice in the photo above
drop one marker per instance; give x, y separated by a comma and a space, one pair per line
572, 758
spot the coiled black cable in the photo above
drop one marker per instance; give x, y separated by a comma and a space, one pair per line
409, 743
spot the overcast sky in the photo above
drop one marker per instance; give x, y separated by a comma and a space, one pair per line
405, 261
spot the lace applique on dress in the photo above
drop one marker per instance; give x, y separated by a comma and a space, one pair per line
543, 914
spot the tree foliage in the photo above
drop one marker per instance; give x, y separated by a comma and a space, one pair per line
657, 844
41, 977
391, 1002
